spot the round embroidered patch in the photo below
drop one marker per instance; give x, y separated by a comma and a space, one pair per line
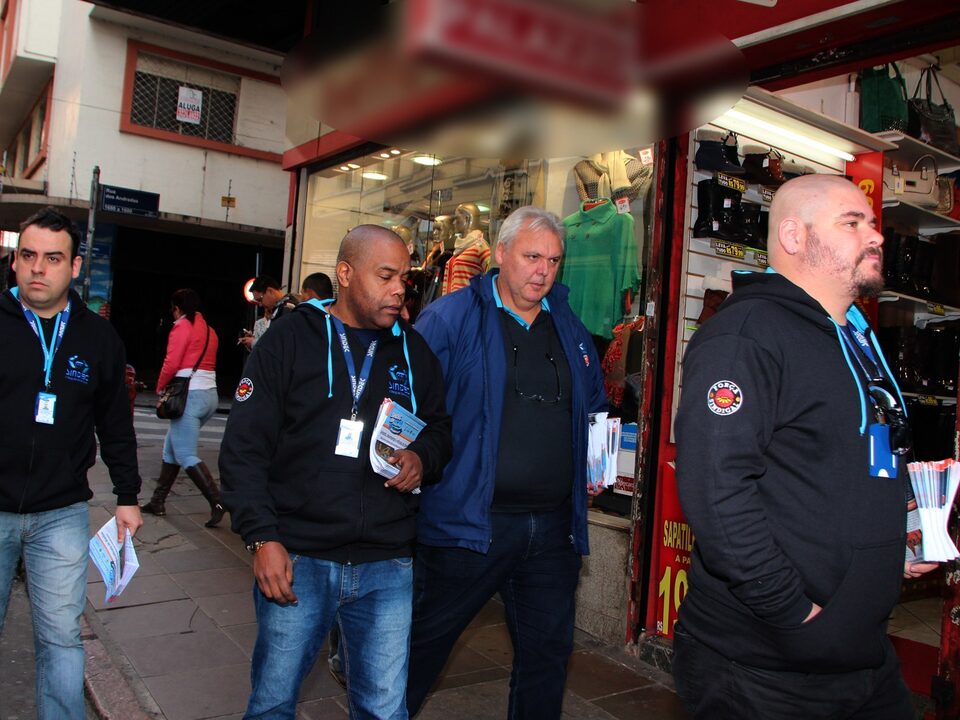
724, 398
244, 390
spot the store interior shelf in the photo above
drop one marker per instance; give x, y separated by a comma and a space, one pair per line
949, 312
924, 220
909, 150
948, 399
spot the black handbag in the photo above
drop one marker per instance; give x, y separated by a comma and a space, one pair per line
173, 399
932, 123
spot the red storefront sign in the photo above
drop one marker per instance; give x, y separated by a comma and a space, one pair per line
673, 544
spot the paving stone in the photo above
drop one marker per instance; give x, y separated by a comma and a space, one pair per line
203, 693
245, 636
176, 616
231, 609
220, 581
484, 700
591, 675
162, 654
329, 709
198, 559
140, 591
654, 702
492, 641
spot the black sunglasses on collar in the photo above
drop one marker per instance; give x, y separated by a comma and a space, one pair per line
890, 412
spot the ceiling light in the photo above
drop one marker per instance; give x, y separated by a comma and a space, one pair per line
353, 166
385, 156
483, 208
394, 152
782, 132
428, 160
371, 175
345, 168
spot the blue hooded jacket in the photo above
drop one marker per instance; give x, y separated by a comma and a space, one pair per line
463, 330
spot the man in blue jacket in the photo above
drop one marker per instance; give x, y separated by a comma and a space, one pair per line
509, 516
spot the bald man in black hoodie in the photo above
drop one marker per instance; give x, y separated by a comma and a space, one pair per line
800, 535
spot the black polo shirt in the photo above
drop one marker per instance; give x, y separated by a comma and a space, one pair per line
535, 457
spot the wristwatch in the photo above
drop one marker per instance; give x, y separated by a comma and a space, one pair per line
254, 546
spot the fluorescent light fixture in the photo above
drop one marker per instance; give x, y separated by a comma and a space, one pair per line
483, 208
371, 175
428, 160
385, 156
782, 132
353, 166
394, 152
345, 168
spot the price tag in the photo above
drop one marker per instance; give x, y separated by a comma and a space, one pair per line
623, 205
766, 194
728, 249
936, 309
898, 184
646, 156
733, 183
927, 400
760, 258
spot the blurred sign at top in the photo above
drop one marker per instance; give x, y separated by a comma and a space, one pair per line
512, 78
582, 55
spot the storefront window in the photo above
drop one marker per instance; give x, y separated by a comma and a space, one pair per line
444, 206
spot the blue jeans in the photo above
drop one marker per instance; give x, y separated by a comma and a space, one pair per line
54, 549
373, 604
715, 688
180, 444
533, 566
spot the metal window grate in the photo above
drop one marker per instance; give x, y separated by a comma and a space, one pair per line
156, 89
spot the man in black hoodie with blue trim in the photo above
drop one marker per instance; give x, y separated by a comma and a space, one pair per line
790, 440
332, 540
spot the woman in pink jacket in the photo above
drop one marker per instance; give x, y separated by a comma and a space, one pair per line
188, 338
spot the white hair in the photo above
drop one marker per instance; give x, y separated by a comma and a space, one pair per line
529, 217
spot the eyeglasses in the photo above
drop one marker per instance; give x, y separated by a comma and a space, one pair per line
889, 412
528, 396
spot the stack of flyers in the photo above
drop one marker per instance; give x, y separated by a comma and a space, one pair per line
603, 443
395, 429
935, 486
117, 563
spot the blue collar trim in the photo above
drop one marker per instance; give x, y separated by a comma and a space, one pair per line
544, 304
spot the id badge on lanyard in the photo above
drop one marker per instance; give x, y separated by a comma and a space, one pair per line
350, 433
45, 406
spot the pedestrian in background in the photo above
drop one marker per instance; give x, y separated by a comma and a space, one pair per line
61, 377
192, 344
316, 286
269, 296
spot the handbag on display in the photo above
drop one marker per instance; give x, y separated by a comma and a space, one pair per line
918, 186
932, 123
173, 400
883, 99
946, 188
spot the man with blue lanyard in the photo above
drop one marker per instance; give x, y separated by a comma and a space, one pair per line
61, 378
332, 540
510, 516
792, 442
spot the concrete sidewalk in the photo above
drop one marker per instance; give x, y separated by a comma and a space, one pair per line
177, 643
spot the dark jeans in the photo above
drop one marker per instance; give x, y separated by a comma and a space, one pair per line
532, 564
715, 688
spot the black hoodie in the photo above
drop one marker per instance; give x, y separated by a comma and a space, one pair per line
44, 467
281, 478
773, 475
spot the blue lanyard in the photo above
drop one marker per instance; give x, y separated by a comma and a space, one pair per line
49, 351
850, 332
357, 384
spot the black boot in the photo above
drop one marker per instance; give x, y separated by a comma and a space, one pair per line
168, 473
749, 221
891, 248
200, 474
713, 156
903, 265
923, 270
717, 212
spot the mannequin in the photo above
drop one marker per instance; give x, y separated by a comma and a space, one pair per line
407, 236
471, 253
442, 236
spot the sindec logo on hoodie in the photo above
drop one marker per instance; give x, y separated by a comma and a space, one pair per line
78, 369
398, 385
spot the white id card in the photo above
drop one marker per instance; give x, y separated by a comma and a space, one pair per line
348, 439
46, 406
